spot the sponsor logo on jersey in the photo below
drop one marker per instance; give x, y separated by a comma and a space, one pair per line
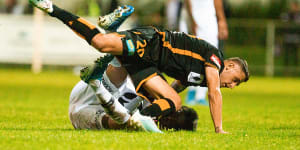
216, 60
196, 78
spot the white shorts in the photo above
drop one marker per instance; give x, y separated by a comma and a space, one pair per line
86, 112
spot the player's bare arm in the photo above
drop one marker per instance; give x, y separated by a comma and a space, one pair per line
215, 97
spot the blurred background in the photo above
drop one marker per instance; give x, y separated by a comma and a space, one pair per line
264, 32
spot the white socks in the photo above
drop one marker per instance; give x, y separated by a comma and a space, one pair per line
111, 105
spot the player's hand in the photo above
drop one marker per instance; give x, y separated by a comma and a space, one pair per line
223, 30
221, 131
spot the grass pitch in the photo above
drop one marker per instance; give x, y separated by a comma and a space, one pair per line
262, 114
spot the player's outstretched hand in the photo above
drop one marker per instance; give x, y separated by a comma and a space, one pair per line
221, 131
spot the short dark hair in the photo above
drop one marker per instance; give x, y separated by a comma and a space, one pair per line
184, 119
243, 64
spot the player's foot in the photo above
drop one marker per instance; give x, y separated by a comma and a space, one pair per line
44, 5
144, 123
112, 21
96, 71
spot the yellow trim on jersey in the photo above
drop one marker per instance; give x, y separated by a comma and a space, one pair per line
144, 97
178, 50
143, 81
211, 65
182, 51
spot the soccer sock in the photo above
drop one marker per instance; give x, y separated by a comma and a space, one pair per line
111, 106
160, 107
80, 26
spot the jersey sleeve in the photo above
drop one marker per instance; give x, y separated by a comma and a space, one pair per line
214, 58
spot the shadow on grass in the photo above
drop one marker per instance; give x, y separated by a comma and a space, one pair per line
35, 129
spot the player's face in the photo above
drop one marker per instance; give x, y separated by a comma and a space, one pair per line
232, 75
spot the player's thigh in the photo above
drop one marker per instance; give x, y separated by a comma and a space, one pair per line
87, 117
108, 43
158, 87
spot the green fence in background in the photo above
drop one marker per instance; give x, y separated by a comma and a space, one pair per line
262, 43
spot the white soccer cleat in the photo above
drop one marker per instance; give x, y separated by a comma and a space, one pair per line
144, 123
113, 21
44, 5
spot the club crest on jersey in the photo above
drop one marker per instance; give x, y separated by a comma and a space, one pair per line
196, 78
216, 60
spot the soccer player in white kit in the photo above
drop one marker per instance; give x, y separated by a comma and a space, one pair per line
86, 111
208, 22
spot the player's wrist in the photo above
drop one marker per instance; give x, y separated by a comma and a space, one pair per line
218, 129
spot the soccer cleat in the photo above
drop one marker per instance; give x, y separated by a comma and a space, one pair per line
44, 5
113, 21
144, 123
97, 70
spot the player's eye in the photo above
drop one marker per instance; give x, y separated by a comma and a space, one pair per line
237, 81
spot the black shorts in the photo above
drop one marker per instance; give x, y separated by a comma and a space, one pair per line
141, 51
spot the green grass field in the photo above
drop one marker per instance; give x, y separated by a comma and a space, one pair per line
262, 114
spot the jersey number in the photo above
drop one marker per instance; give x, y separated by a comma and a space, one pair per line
140, 46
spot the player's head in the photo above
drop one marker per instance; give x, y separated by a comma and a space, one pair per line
184, 119
235, 72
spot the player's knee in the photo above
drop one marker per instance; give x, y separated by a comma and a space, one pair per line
98, 42
107, 43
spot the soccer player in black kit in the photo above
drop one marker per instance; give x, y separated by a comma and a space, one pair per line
147, 52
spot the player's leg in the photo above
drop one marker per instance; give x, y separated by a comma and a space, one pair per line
107, 43
111, 105
168, 100
86, 112
119, 113
82, 114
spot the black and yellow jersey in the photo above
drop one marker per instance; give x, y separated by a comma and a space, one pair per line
149, 50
